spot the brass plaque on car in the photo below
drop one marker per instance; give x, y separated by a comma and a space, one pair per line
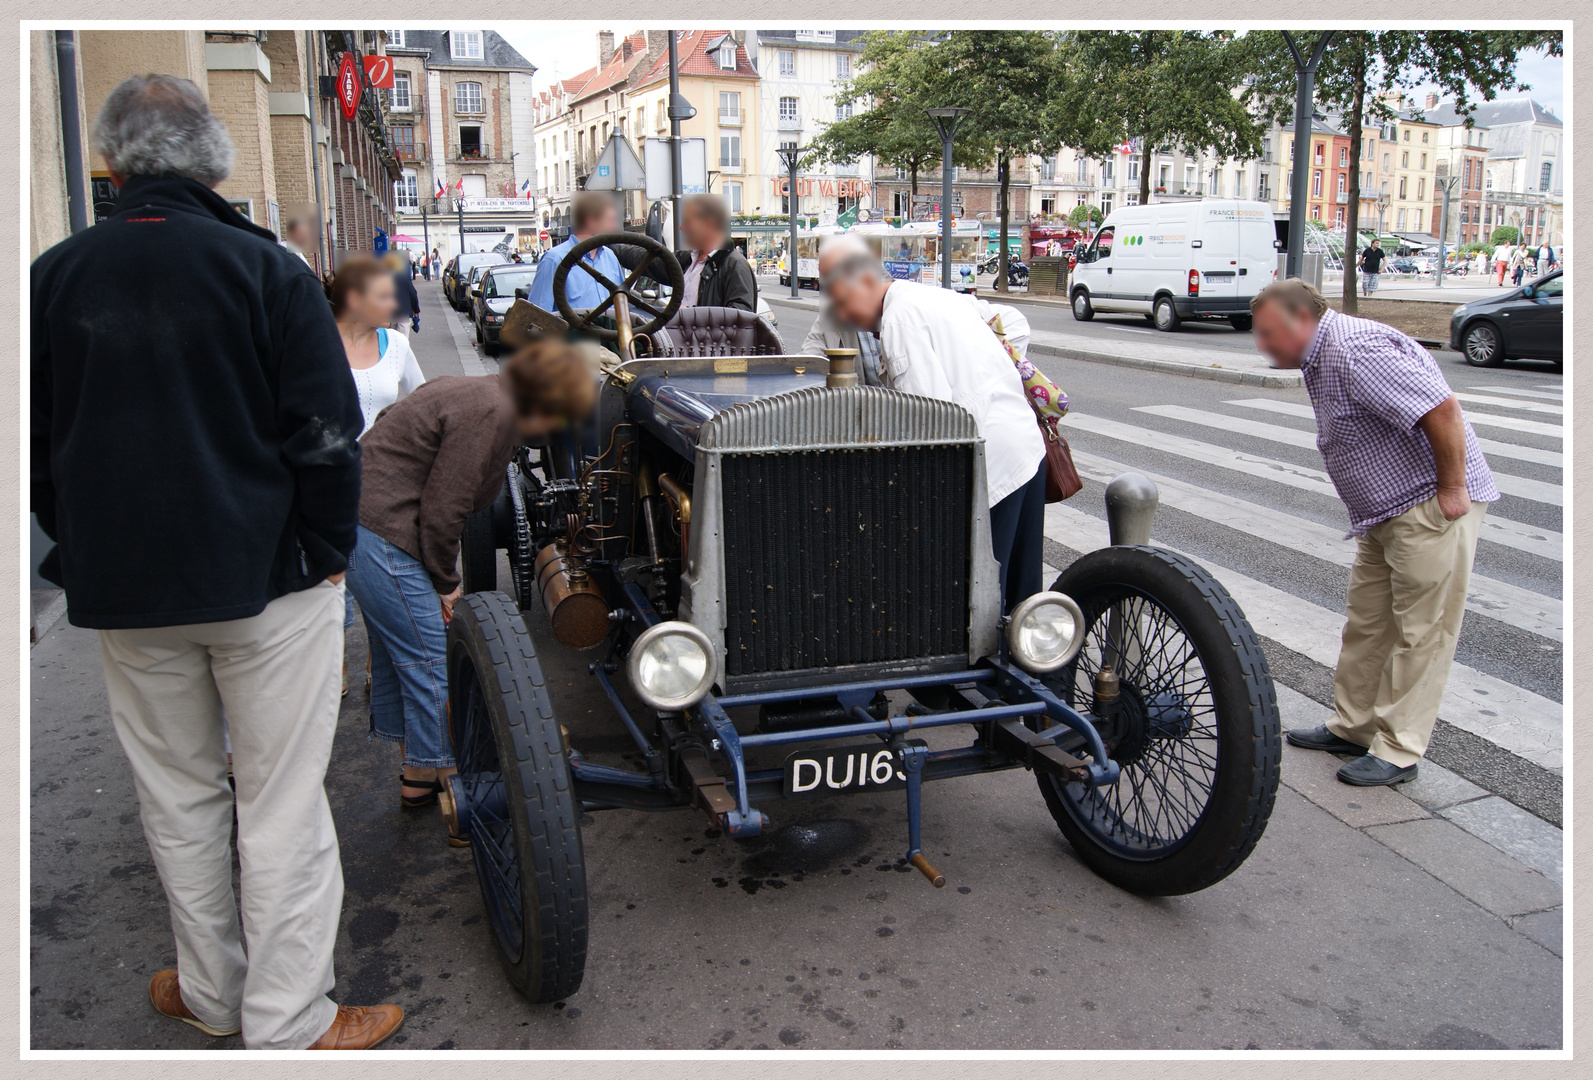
730, 365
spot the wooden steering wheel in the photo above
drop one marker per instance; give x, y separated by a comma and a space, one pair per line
656, 252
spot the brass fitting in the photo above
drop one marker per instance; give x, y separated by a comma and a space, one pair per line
843, 367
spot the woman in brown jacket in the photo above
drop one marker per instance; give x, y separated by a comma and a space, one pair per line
429, 461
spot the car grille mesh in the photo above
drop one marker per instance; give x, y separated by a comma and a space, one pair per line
845, 556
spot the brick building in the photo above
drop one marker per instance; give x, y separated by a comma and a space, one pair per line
464, 122
263, 86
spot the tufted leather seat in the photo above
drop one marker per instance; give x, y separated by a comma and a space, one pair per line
716, 331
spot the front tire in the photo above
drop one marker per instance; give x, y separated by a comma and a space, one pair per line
1082, 311
522, 820
1166, 315
1198, 739
1482, 345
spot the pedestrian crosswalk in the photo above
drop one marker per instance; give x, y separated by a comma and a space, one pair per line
1202, 458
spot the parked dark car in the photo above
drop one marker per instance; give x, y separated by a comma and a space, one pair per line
493, 300
1404, 264
1523, 324
458, 272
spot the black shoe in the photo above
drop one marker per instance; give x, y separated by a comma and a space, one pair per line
1320, 738
1369, 771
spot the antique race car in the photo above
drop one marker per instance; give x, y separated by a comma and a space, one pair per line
793, 574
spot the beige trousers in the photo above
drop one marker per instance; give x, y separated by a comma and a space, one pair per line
1406, 598
276, 675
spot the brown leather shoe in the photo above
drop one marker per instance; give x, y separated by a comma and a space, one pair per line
168, 1001
360, 1027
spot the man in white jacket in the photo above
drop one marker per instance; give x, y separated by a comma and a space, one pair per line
935, 344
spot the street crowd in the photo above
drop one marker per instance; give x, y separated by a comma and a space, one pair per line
237, 460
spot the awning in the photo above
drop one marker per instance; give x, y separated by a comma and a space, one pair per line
1421, 240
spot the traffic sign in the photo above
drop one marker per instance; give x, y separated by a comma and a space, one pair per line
348, 87
379, 72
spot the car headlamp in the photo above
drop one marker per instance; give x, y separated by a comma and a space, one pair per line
1045, 632
672, 665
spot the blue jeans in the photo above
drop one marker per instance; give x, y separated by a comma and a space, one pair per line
408, 641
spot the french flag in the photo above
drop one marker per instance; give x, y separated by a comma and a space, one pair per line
525, 188
442, 189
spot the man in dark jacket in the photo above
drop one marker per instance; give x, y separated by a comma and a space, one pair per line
194, 457
717, 273
407, 315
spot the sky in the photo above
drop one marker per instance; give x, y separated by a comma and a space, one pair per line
561, 49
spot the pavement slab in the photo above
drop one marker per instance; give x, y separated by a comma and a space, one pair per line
1435, 787
1529, 840
1547, 928
1475, 869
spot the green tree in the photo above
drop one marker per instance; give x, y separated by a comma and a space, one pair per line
1505, 234
888, 119
1161, 87
1364, 72
1085, 215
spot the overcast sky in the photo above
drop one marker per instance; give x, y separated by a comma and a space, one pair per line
561, 49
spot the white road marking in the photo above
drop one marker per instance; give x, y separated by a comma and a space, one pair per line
1532, 427
1526, 724
1300, 437
1522, 486
1545, 395
1528, 406
1511, 604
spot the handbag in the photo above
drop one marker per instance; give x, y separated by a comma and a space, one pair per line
1061, 476
1050, 404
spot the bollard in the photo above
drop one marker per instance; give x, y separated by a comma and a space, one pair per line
1131, 501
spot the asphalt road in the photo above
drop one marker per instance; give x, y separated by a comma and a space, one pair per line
1334, 934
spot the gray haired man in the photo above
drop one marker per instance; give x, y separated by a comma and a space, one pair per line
194, 457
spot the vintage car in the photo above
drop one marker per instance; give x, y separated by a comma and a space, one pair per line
793, 574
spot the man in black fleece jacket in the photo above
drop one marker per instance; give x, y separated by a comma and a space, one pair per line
194, 457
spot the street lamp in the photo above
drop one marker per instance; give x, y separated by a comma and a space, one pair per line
790, 156
1447, 186
946, 120
1305, 68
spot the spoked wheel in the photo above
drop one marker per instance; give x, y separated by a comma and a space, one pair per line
1481, 345
514, 799
1196, 736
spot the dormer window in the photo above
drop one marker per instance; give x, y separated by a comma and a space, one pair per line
465, 44
727, 56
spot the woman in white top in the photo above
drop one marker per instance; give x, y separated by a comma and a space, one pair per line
384, 366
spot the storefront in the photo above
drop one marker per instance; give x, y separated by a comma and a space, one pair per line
512, 224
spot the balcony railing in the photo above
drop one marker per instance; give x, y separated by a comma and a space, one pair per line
730, 119
734, 170
1264, 193
789, 123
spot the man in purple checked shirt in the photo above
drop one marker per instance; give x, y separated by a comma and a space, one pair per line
1407, 465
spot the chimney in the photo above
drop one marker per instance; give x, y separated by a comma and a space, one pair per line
625, 48
1432, 100
605, 47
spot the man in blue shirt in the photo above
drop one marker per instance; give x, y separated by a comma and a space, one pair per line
592, 213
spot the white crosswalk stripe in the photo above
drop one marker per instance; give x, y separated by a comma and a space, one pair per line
1524, 487
1544, 394
1510, 423
1511, 604
1508, 403
1526, 724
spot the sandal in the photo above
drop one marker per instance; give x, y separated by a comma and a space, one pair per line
415, 802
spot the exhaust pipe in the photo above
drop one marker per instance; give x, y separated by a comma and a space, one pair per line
575, 606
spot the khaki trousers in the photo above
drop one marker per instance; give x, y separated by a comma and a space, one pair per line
276, 675
1406, 598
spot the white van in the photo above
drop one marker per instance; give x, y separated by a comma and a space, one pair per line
1179, 260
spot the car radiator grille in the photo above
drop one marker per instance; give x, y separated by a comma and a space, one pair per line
853, 556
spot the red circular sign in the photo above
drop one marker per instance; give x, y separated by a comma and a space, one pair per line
348, 86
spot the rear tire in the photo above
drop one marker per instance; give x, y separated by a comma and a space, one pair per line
1241, 323
523, 820
1200, 725
478, 554
1165, 315
1082, 311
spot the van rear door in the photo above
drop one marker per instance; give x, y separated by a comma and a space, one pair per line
1217, 258
1258, 253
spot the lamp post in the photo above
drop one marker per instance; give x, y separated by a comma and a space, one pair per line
1304, 108
790, 157
946, 121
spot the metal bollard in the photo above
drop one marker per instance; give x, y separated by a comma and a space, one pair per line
1131, 501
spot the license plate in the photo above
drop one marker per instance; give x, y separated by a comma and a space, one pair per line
835, 770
